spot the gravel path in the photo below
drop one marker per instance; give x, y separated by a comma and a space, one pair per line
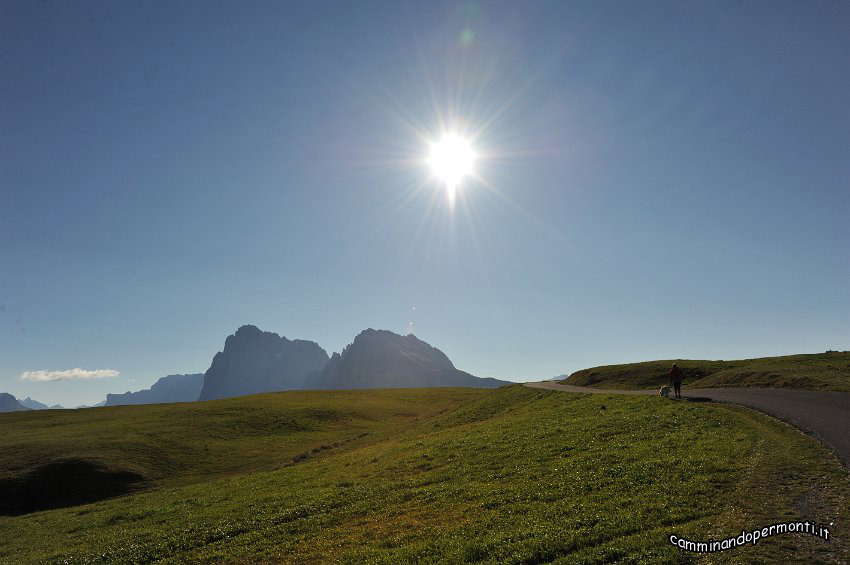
822, 414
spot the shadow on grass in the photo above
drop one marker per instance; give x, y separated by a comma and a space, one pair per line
59, 484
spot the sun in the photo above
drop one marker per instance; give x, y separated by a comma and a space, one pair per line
451, 160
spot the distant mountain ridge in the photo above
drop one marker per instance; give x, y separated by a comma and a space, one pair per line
33, 404
254, 361
98, 405
383, 359
9, 403
171, 388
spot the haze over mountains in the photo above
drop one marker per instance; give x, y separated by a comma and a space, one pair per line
33, 404
171, 388
8, 403
383, 359
255, 361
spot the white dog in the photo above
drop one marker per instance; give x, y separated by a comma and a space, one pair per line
665, 391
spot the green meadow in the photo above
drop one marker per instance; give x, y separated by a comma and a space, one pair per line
513, 475
819, 371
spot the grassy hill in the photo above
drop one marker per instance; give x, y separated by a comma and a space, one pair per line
820, 371
512, 475
101, 452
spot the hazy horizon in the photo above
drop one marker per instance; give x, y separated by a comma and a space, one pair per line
653, 180
145, 383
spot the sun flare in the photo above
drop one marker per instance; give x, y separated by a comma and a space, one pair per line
451, 160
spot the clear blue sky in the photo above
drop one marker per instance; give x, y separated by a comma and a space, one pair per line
657, 180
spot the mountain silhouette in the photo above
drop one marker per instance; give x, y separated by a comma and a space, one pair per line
255, 361
9, 403
172, 388
33, 404
383, 359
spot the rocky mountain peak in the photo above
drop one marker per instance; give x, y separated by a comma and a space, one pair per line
255, 361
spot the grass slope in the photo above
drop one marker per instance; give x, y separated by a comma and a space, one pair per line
820, 371
175, 444
512, 475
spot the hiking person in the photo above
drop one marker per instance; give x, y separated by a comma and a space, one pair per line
675, 376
